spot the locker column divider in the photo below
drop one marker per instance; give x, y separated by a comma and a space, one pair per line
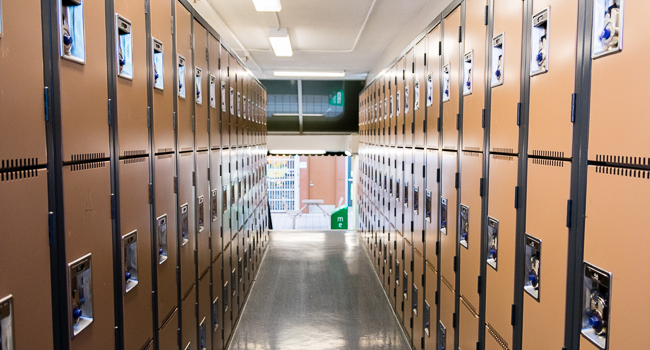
522, 182
115, 175
578, 194
436, 327
486, 171
176, 164
459, 165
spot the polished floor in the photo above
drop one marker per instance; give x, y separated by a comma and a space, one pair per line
317, 291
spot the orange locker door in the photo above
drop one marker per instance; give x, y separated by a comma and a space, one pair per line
434, 45
419, 210
470, 226
399, 191
204, 317
398, 293
473, 77
201, 85
188, 320
546, 252
216, 204
168, 337
186, 212
390, 94
407, 288
450, 78
226, 295
468, 326
163, 77
431, 200
409, 114
184, 78
448, 212
217, 313
214, 91
202, 212
224, 93
417, 300
408, 200
419, 91
430, 309
500, 249
445, 328
399, 102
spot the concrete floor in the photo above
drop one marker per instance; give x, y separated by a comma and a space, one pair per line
317, 291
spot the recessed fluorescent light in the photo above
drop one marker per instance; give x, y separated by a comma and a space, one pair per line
297, 151
280, 42
296, 115
309, 74
267, 5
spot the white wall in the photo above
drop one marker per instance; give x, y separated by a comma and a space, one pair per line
331, 143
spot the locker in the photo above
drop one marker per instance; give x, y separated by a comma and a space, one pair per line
226, 195
505, 75
545, 273
417, 300
419, 92
225, 98
468, 325
609, 139
470, 226
130, 49
216, 204
419, 205
226, 295
214, 86
445, 328
21, 68
184, 78
25, 290
623, 319
166, 237
201, 85
409, 114
163, 77
400, 100
391, 125
448, 216
430, 204
381, 93
473, 78
408, 200
217, 313
407, 287
82, 71
450, 78
168, 336
239, 80
188, 320
398, 292
234, 190
433, 87
390, 196
136, 255
399, 191
391, 256
203, 214
205, 313
430, 309
552, 83
186, 212
501, 246
88, 233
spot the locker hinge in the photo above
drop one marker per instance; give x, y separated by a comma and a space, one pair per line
207, 54
403, 74
483, 118
402, 254
150, 193
220, 170
209, 174
110, 113
402, 219
395, 245
481, 187
411, 322
518, 113
194, 178
412, 127
402, 165
422, 343
423, 235
457, 180
395, 80
438, 175
437, 298
172, 25
208, 124
178, 275
112, 205
175, 184
458, 121
424, 125
423, 280
486, 15
478, 285
439, 48
146, 6
412, 224
413, 67
455, 263
50, 224
438, 248
174, 124
149, 117
229, 168
425, 59
478, 343
460, 34
193, 123
192, 41
573, 107
412, 168
516, 197
46, 102
424, 171
454, 321
228, 71
219, 63
439, 124
196, 257
569, 204
403, 129
411, 265
512, 315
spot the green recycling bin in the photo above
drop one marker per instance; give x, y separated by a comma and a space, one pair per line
340, 218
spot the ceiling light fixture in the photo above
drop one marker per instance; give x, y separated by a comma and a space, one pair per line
297, 151
309, 74
280, 42
267, 5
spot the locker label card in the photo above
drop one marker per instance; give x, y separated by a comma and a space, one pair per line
493, 242
464, 225
185, 236
533, 265
158, 67
427, 205
181, 76
385, 107
162, 238
7, 323
213, 205
399, 103
223, 96
416, 200
392, 106
232, 101
416, 89
427, 319
130, 262
608, 27
239, 104
595, 304
497, 60
80, 297
213, 91
200, 214
429, 90
442, 336
539, 42
215, 315
443, 215
406, 100
203, 337
446, 93
124, 47
468, 64
71, 30
198, 85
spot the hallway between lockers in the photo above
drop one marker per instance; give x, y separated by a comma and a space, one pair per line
317, 290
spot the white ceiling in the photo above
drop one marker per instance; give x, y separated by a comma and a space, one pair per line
322, 33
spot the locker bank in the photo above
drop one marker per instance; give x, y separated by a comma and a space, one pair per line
497, 174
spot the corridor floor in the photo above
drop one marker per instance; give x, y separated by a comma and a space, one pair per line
317, 291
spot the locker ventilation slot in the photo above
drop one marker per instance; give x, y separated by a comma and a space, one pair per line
500, 157
642, 174
134, 160
549, 162
472, 154
18, 175
18, 163
497, 337
548, 154
623, 160
86, 157
475, 149
503, 150
139, 152
87, 166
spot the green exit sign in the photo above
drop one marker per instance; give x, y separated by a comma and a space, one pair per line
337, 99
